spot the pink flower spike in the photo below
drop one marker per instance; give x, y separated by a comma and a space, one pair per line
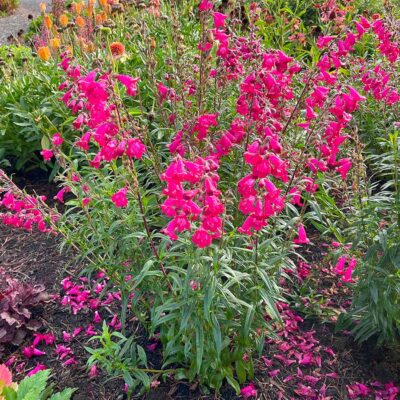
119, 198
39, 367
47, 154
130, 83
249, 391
302, 236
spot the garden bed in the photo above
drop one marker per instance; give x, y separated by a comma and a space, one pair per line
35, 257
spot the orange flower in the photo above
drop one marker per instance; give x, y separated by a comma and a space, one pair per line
100, 18
42, 7
117, 49
44, 53
77, 7
90, 7
104, 4
55, 43
48, 22
80, 21
63, 20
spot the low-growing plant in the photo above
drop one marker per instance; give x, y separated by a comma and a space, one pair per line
33, 387
17, 303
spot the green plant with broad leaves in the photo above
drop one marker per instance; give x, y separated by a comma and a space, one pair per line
35, 387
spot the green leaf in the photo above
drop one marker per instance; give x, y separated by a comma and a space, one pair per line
64, 395
9, 393
199, 346
33, 385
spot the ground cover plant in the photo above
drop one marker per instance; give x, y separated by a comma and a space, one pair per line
202, 151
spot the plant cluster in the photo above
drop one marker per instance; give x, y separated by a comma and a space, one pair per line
192, 160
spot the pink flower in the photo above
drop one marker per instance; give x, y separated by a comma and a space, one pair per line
90, 330
343, 167
201, 238
93, 372
60, 195
302, 236
249, 391
32, 351
86, 201
162, 91
339, 267
205, 5
97, 319
347, 276
47, 154
67, 337
39, 367
70, 361
194, 285
62, 351
135, 148
323, 41
119, 198
219, 20
57, 139
47, 338
130, 83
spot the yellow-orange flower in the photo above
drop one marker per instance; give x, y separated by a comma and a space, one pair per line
117, 49
63, 20
44, 53
104, 4
42, 7
55, 43
80, 21
48, 22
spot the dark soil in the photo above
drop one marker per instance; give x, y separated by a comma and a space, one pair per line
35, 257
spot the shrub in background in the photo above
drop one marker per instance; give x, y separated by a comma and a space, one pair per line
8, 6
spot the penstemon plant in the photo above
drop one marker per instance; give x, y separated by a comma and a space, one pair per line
189, 186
